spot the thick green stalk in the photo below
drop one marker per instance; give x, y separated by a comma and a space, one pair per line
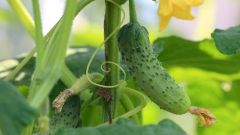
111, 21
39, 44
132, 11
38, 25
52, 60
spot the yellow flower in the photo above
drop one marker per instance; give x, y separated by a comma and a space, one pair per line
178, 8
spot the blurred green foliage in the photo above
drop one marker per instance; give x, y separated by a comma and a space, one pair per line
15, 111
4, 16
126, 127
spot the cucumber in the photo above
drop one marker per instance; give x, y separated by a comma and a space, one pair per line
69, 116
148, 72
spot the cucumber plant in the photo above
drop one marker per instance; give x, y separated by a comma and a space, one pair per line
107, 97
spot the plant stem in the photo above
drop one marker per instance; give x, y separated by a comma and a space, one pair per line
132, 10
52, 60
128, 106
38, 26
111, 21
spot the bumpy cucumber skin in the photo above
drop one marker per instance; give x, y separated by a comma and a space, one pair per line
68, 117
148, 72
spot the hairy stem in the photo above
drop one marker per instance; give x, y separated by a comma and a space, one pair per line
111, 21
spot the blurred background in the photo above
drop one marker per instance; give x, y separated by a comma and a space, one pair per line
221, 97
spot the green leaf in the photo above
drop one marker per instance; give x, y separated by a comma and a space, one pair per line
77, 62
126, 127
177, 52
227, 41
15, 113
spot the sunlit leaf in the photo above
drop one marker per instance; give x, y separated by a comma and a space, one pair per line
227, 41
177, 52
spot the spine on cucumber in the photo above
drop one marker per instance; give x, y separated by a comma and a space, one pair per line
148, 72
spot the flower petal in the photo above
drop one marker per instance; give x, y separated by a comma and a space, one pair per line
183, 14
165, 8
194, 2
164, 22
180, 3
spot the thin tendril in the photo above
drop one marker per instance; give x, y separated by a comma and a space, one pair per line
110, 62
104, 69
95, 52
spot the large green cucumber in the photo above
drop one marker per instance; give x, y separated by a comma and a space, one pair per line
148, 72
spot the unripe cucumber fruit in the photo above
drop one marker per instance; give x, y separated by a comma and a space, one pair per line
68, 117
148, 72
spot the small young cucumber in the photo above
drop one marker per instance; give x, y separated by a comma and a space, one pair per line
68, 117
148, 72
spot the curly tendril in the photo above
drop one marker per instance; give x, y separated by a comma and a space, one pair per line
107, 62
110, 62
